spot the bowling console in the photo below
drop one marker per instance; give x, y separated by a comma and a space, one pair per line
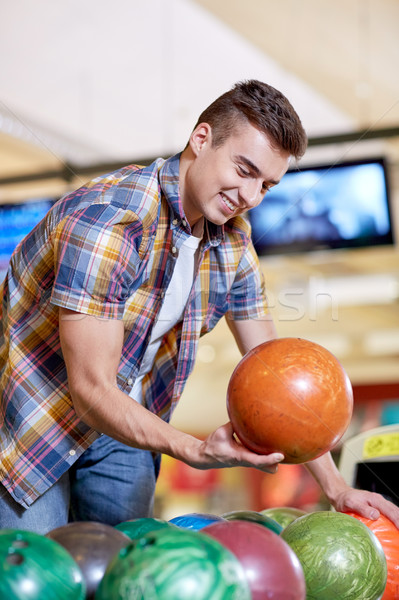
370, 459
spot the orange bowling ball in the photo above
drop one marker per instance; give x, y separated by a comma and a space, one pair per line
388, 535
292, 396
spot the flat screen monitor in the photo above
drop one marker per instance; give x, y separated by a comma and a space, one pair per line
345, 205
16, 221
380, 477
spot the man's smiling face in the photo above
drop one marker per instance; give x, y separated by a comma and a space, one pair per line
228, 180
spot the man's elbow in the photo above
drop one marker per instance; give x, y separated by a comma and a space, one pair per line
83, 406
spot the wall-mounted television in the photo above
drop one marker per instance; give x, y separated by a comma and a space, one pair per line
16, 221
343, 205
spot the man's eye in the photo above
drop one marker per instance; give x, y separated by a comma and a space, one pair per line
244, 171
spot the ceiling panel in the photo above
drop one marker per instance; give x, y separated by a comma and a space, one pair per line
348, 50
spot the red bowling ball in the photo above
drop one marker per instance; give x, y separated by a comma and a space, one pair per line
292, 396
272, 568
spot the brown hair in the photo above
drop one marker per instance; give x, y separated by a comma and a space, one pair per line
264, 107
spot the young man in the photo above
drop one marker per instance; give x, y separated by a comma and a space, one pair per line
103, 306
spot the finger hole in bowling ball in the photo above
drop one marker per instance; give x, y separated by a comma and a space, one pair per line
15, 559
125, 550
20, 544
147, 541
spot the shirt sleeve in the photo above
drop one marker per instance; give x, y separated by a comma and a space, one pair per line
247, 297
96, 260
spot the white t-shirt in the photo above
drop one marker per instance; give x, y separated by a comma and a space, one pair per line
172, 309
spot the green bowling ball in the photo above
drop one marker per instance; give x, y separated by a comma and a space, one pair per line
174, 564
136, 528
284, 515
33, 567
341, 558
255, 517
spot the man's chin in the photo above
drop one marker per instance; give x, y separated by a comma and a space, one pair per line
219, 219
219, 222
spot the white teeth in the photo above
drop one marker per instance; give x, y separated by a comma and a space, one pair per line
229, 204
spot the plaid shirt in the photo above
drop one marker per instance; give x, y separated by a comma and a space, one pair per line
107, 250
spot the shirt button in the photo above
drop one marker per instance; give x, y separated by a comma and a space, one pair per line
72, 452
175, 221
162, 294
184, 223
174, 249
130, 381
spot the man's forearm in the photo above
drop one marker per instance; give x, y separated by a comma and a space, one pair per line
119, 416
327, 476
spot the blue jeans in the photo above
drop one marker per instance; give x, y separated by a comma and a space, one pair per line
110, 483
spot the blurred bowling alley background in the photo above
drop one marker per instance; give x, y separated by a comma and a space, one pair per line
327, 237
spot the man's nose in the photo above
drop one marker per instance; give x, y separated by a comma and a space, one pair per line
251, 193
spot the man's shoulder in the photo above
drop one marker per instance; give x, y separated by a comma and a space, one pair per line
132, 188
137, 189
139, 181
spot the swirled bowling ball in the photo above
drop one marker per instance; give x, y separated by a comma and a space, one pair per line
92, 545
135, 528
174, 564
292, 396
388, 535
32, 567
271, 566
255, 517
195, 521
341, 558
284, 515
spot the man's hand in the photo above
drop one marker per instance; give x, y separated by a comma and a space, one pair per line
345, 498
222, 449
367, 504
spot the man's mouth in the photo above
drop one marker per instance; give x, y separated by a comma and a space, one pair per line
228, 203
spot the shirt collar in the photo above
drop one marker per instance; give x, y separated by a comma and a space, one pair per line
169, 182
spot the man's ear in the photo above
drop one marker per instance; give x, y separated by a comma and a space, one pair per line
200, 137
